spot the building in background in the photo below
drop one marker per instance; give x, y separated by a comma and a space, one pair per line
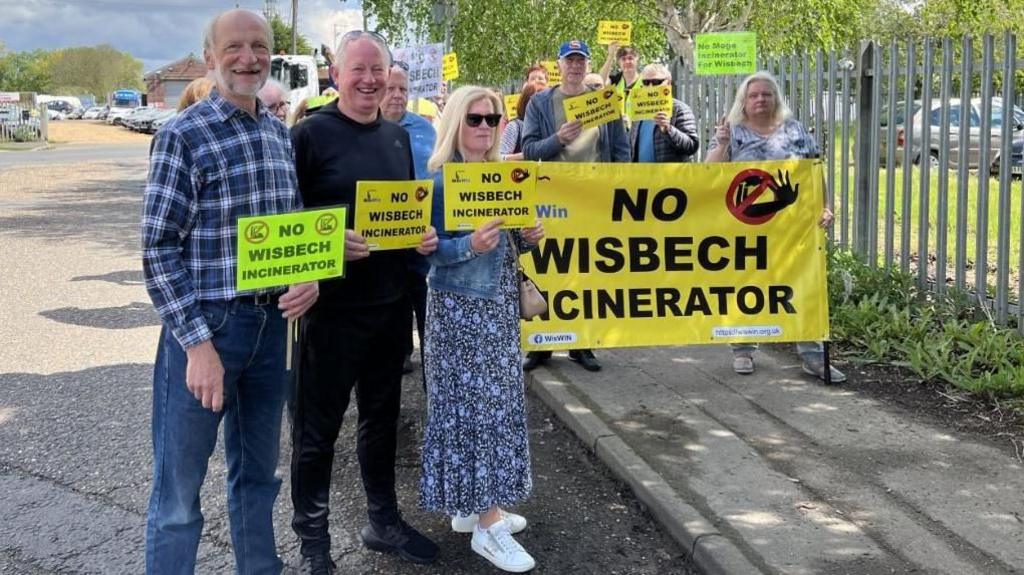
165, 84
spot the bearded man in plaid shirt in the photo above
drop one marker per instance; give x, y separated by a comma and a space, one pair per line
221, 354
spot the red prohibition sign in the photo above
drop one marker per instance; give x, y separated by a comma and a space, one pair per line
736, 208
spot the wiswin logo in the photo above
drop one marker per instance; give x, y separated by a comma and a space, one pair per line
552, 338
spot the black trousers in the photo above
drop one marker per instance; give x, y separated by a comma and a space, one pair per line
343, 349
418, 300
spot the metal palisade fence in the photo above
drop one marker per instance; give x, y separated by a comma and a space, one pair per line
20, 119
915, 138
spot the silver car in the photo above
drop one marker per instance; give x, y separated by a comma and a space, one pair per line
960, 117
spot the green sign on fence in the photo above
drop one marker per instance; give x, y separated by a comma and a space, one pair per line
726, 53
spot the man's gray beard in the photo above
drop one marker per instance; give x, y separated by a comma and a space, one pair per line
222, 81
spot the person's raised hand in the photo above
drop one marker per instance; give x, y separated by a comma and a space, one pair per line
569, 132
356, 247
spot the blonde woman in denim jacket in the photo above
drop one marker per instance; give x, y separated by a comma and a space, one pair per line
476, 457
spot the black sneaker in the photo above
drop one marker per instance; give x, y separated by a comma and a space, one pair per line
585, 358
401, 539
535, 358
317, 564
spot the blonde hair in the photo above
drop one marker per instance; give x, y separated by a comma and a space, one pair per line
196, 90
736, 113
450, 125
657, 69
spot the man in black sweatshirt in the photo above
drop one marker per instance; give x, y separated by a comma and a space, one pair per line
355, 336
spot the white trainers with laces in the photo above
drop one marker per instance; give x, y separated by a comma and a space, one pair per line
466, 523
497, 545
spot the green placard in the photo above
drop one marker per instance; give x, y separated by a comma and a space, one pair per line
726, 53
291, 248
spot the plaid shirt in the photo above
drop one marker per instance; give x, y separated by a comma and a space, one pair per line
209, 166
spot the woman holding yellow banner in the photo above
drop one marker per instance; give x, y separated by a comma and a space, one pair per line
475, 451
760, 127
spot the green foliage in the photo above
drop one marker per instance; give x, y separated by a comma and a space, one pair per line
25, 134
93, 70
283, 38
27, 71
882, 316
497, 41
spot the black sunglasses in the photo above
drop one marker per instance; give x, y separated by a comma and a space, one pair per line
653, 81
473, 120
357, 34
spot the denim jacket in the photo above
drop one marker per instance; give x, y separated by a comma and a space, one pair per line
455, 267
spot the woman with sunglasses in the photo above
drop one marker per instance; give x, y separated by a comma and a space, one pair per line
476, 458
665, 138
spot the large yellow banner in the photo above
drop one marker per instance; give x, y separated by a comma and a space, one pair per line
669, 254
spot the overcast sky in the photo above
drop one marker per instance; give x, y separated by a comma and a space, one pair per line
154, 31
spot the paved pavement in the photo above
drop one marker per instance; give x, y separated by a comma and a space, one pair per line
78, 339
775, 473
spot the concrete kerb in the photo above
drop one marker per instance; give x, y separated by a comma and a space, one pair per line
711, 552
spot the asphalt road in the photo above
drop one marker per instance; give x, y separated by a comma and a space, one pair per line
73, 153
78, 339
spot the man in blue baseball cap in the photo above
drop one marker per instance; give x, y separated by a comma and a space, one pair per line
548, 137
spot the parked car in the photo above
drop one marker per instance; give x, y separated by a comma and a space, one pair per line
898, 118
159, 122
1016, 160
93, 113
149, 126
960, 117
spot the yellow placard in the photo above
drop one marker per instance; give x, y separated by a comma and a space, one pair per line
290, 248
511, 101
614, 31
725, 53
478, 192
554, 74
647, 102
393, 215
593, 108
450, 67
672, 254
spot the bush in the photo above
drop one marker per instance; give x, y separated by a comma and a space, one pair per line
882, 316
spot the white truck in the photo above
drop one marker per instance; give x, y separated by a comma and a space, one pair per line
301, 75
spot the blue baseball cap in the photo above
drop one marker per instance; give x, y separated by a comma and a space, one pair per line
574, 47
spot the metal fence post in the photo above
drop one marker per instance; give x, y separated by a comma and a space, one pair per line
862, 157
44, 123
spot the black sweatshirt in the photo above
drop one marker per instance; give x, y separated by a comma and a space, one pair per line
332, 153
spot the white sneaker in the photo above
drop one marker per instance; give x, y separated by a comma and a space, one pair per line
466, 523
497, 545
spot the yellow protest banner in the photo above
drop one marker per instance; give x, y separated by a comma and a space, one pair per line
450, 67
647, 102
511, 101
554, 74
726, 53
393, 215
594, 108
290, 248
670, 254
478, 192
614, 31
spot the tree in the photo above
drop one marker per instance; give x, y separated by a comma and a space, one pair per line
96, 70
496, 39
283, 38
24, 71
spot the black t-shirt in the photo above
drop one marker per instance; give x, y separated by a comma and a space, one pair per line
332, 153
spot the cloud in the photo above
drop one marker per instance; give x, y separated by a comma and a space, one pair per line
156, 32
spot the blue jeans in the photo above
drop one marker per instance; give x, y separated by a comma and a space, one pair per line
250, 340
807, 350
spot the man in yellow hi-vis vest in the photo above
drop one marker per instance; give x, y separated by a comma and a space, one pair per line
627, 76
